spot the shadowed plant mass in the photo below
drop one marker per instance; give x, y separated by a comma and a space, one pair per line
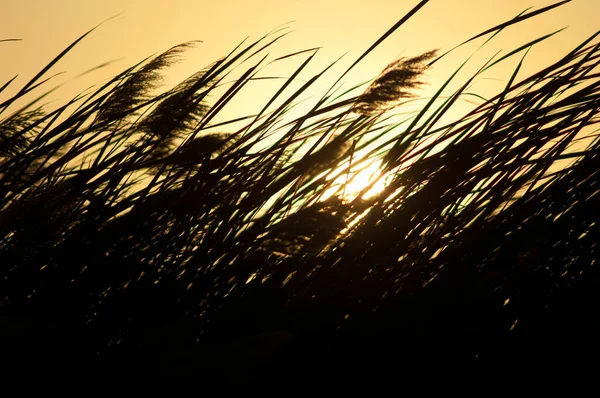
140, 235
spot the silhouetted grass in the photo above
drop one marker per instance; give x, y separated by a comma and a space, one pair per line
134, 239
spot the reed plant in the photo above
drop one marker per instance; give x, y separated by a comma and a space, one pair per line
139, 234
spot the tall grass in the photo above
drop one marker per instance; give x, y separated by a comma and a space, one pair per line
130, 229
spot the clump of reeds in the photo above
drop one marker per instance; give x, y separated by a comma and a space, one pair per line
123, 217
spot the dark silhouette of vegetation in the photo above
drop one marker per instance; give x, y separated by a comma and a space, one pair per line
136, 240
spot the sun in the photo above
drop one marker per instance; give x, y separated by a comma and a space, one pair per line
369, 178
366, 180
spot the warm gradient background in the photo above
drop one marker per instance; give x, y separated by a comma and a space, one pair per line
145, 27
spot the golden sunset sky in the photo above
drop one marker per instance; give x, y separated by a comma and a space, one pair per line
146, 27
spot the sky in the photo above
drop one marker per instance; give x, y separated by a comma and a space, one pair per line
145, 27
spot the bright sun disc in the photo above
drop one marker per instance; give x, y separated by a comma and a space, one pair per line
350, 186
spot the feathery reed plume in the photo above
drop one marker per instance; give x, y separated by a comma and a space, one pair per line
200, 148
176, 116
136, 87
397, 82
17, 131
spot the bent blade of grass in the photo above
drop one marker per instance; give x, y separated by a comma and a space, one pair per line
498, 28
5, 85
49, 66
390, 31
524, 47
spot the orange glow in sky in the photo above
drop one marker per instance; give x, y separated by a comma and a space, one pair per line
146, 27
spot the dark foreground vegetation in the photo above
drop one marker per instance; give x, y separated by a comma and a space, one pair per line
139, 239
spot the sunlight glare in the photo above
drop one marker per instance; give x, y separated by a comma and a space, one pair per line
349, 186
